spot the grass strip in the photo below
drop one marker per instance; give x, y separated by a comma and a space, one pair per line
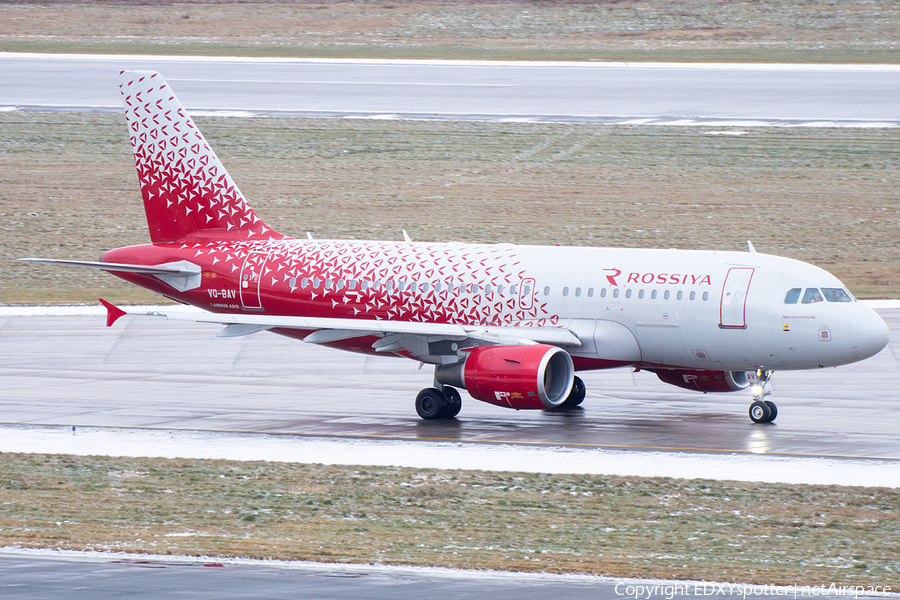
622, 526
827, 196
840, 31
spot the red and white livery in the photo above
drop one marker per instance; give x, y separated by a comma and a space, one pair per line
509, 324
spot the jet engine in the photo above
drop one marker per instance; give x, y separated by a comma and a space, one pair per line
533, 376
704, 381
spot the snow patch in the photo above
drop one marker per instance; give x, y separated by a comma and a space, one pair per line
447, 455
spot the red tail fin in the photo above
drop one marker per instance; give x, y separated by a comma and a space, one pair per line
186, 189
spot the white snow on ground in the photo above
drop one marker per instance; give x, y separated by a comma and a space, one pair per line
98, 310
445, 455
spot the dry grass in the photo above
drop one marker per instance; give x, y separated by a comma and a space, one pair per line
830, 197
625, 526
839, 31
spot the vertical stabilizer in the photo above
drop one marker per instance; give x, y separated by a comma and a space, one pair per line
186, 189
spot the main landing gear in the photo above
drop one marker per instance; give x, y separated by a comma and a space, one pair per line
438, 403
761, 410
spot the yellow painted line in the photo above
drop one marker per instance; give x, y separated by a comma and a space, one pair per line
472, 441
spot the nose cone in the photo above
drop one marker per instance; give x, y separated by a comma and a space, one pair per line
868, 334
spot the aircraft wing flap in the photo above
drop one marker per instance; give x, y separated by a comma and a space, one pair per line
330, 328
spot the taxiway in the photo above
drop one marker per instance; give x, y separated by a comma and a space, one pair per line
148, 372
639, 93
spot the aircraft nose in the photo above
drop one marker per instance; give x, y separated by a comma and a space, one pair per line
868, 334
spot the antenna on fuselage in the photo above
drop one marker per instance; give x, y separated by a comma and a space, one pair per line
309, 235
406, 237
750, 247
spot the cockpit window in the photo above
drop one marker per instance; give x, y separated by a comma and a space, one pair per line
811, 295
836, 295
792, 296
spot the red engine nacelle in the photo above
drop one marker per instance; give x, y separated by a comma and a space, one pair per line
704, 381
537, 376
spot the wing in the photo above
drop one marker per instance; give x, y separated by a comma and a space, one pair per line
435, 343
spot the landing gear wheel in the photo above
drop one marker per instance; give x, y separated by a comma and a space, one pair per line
759, 412
430, 404
773, 410
576, 396
453, 402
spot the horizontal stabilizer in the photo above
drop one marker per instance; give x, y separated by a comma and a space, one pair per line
119, 267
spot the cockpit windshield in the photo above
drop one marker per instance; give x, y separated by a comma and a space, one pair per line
836, 295
811, 295
792, 296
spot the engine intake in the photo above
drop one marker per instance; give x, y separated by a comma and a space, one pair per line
704, 381
521, 377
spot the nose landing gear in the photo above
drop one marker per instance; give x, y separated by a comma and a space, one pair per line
761, 410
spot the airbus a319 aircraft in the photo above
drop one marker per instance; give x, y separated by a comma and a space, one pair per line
509, 324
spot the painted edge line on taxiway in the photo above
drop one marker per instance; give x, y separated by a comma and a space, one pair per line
467, 441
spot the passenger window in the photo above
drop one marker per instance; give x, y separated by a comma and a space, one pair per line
293, 282
565, 291
304, 282
437, 286
500, 289
487, 288
351, 284
792, 296
316, 283
666, 295
577, 291
413, 286
590, 292
653, 295
512, 290
527, 289
705, 296
693, 295
616, 293
327, 284
811, 295
628, 293
364, 284
424, 287
547, 291
641, 294
603, 293
680, 295
835, 295
389, 285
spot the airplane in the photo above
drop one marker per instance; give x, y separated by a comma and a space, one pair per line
510, 324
